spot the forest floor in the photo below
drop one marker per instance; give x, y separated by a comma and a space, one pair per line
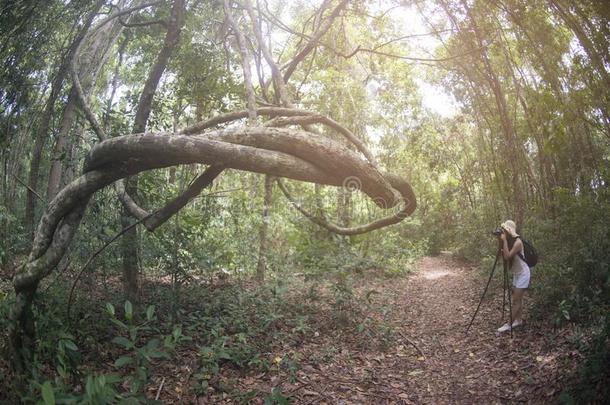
425, 356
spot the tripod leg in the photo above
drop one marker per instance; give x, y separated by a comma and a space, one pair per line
484, 291
503, 289
509, 284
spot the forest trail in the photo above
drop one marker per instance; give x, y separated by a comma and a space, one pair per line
432, 360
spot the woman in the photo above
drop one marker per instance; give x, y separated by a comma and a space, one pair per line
512, 250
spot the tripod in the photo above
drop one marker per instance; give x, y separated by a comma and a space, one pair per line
506, 287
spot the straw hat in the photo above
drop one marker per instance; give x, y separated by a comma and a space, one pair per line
510, 227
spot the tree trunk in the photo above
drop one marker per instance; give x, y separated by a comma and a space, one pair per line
90, 62
130, 246
175, 127
130, 252
344, 199
59, 150
41, 134
115, 82
261, 267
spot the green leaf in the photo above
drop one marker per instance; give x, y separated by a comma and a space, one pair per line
120, 340
177, 332
128, 310
48, 396
70, 345
122, 361
150, 312
110, 309
61, 370
89, 386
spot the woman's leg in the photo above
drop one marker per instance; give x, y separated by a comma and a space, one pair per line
517, 303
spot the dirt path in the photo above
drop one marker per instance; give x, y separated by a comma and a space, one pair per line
432, 360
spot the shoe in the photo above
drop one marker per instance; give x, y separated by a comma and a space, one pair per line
504, 328
517, 322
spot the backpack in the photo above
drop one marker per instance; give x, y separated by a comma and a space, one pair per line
530, 254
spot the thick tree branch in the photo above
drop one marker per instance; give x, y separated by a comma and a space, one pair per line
120, 157
307, 120
298, 114
271, 111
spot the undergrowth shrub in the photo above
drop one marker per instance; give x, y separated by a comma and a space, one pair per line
572, 282
573, 278
592, 379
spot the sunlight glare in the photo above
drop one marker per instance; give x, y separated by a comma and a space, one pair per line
435, 275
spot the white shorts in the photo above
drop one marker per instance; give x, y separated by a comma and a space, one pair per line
522, 280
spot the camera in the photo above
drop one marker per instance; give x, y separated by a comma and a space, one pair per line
498, 231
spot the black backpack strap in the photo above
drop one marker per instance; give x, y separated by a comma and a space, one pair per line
519, 253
